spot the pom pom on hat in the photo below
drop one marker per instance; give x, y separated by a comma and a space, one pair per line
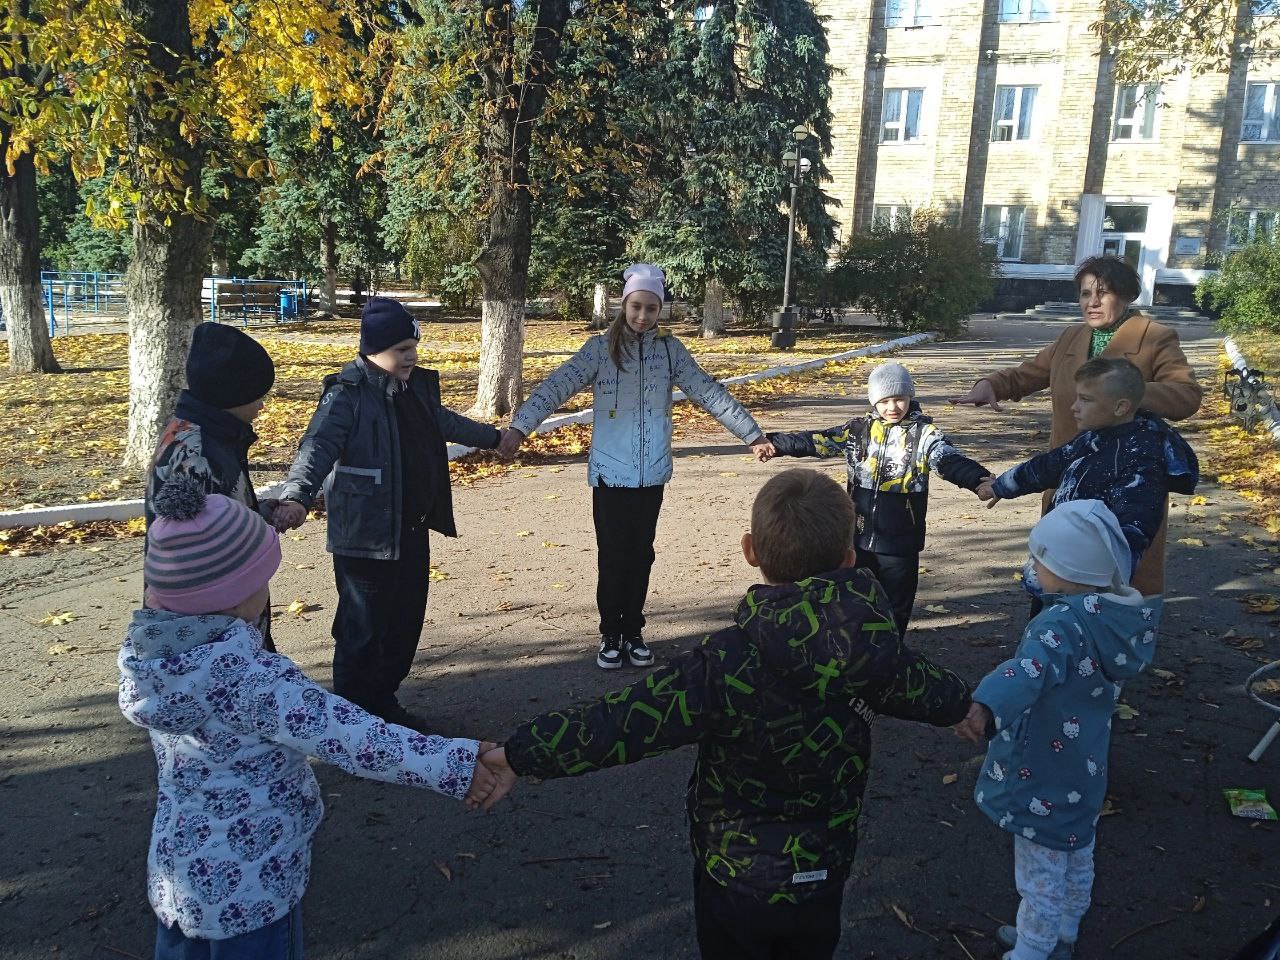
205, 552
644, 276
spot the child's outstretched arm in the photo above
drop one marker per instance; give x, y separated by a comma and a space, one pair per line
953, 465
548, 396
832, 442
1043, 659
668, 708
1040, 473
714, 397
319, 449
904, 684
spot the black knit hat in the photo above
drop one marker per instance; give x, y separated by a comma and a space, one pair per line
384, 323
226, 367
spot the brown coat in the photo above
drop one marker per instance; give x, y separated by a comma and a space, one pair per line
1172, 393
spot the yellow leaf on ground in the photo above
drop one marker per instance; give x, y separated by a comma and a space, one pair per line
549, 545
1191, 541
1126, 712
56, 618
1198, 501
936, 608
524, 533
437, 574
1260, 603
950, 778
299, 607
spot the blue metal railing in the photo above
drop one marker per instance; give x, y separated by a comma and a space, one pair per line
71, 295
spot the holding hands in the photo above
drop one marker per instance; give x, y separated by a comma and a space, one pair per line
287, 515
764, 450
510, 443
986, 492
492, 780
974, 726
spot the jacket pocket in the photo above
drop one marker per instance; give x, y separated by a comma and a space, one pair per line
356, 481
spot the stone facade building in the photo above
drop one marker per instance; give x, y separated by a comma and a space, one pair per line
1006, 114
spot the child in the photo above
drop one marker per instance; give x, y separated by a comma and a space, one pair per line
229, 375
1047, 712
889, 454
1123, 456
232, 726
631, 369
381, 430
780, 705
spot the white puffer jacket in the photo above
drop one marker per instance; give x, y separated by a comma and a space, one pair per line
631, 431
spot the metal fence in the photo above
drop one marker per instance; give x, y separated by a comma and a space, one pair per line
84, 297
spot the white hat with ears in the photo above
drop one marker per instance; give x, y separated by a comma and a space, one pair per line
644, 276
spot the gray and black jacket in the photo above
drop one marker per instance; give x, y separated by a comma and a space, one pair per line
352, 447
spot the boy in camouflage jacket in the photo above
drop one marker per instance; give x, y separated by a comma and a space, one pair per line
780, 706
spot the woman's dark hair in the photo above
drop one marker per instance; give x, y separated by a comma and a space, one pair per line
1115, 273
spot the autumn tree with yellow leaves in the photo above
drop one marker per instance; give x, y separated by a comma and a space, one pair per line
151, 89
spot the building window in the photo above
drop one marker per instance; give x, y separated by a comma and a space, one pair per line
1002, 227
703, 13
1261, 116
900, 116
890, 214
1023, 11
1246, 226
1265, 8
908, 13
1012, 117
1135, 117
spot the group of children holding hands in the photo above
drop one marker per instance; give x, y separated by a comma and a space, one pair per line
780, 703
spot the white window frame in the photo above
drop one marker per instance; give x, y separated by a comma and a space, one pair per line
1146, 110
1251, 217
1028, 11
1002, 237
911, 13
900, 125
893, 213
1013, 124
1269, 129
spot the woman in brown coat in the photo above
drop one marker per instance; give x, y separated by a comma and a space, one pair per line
1112, 328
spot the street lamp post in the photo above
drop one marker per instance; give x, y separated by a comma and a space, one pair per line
784, 321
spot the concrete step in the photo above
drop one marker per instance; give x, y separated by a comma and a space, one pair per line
1066, 310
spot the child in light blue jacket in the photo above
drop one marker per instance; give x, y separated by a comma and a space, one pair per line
632, 369
1047, 712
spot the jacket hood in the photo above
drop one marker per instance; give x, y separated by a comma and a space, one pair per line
165, 656
1120, 627
817, 620
1180, 461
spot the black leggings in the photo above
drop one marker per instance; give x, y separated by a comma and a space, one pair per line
899, 576
626, 521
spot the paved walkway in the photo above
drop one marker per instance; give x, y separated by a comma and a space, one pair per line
598, 867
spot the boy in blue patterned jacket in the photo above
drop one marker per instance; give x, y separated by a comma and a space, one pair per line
889, 454
232, 726
1125, 457
1047, 713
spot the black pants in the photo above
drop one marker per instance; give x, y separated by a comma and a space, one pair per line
900, 576
381, 605
626, 523
735, 927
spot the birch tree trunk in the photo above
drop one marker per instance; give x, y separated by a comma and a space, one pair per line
600, 307
713, 311
21, 296
504, 273
165, 276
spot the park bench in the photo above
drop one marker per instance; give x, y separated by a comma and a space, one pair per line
262, 301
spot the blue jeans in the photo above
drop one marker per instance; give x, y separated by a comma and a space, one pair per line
281, 940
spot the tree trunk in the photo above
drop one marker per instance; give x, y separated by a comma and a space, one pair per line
21, 296
329, 262
504, 274
600, 307
171, 248
713, 311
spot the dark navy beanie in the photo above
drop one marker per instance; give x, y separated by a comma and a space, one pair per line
226, 367
384, 323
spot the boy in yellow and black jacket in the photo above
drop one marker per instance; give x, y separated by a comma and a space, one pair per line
890, 453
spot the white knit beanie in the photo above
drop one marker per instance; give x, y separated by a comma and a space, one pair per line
644, 276
889, 380
1080, 541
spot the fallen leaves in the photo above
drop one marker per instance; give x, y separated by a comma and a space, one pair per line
949, 779
300, 607
1126, 712
56, 618
1191, 541
936, 608
1258, 603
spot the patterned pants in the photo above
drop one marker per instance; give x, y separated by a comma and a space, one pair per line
1055, 887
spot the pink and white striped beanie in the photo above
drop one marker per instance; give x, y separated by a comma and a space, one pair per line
205, 552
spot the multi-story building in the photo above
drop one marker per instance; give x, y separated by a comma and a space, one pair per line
1006, 114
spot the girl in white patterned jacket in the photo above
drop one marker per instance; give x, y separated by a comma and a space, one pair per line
232, 726
631, 369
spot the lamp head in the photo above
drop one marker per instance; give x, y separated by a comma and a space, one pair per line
800, 132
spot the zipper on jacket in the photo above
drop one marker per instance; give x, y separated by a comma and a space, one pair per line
875, 488
640, 418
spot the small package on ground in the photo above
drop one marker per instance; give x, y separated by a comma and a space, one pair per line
1250, 803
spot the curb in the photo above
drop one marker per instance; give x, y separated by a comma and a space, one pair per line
1270, 415
129, 509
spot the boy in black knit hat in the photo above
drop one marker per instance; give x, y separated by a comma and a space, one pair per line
229, 375
377, 444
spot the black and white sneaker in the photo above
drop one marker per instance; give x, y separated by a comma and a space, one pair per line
638, 654
610, 655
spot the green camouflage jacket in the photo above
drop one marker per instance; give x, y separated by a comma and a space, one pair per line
780, 706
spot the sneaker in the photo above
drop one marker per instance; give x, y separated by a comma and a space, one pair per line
639, 654
610, 655
1007, 937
